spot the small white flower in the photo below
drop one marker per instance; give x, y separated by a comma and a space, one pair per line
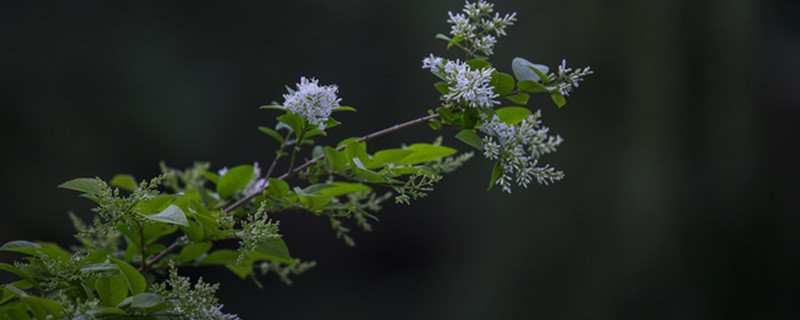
461, 27
469, 87
312, 101
433, 63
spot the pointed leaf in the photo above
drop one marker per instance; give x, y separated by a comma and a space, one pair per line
172, 215
495, 174
135, 280
558, 99
87, 185
272, 133
520, 98
470, 138
124, 181
424, 152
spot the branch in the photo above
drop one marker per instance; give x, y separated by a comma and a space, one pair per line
315, 160
261, 189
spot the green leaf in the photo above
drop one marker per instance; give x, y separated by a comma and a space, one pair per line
340, 188
469, 118
220, 257
542, 75
277, 188
335, 160
531, 86
172, 215
124, 181
522, 69
313, 202
495, 174
213, 177
442, 37
19, 244
273, 249
5, 295
112, 289
331, 122
357, 150
22, 274
503, 83
454, 41
87, 185
470, 138
512, 115
234, 180
293, 120
314, 132
100, 267
146, 300
135, 280
42, 307
343, 108
36, 249
558, 99
155, 204
194, 251
272, 133
274, 107
424, 152
477, 64
520, 98
442, 87
380, 158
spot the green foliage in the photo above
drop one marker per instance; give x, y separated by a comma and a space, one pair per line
127, 261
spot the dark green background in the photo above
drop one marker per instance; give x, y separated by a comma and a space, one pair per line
681, 199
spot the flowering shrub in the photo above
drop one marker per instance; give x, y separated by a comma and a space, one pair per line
145, 231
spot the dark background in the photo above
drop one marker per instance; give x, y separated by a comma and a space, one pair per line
681, 199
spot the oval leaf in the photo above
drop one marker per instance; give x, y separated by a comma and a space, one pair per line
146, 300
124, 181
234, 180
512, 115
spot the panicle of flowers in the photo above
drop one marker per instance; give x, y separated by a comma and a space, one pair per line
257, 230
566, 80
466, 86
312, 101
191, 303
475, 24
518, 148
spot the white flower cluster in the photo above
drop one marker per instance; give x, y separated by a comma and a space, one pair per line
466, 86
518, 148
313, 102
475, 24
567, 79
